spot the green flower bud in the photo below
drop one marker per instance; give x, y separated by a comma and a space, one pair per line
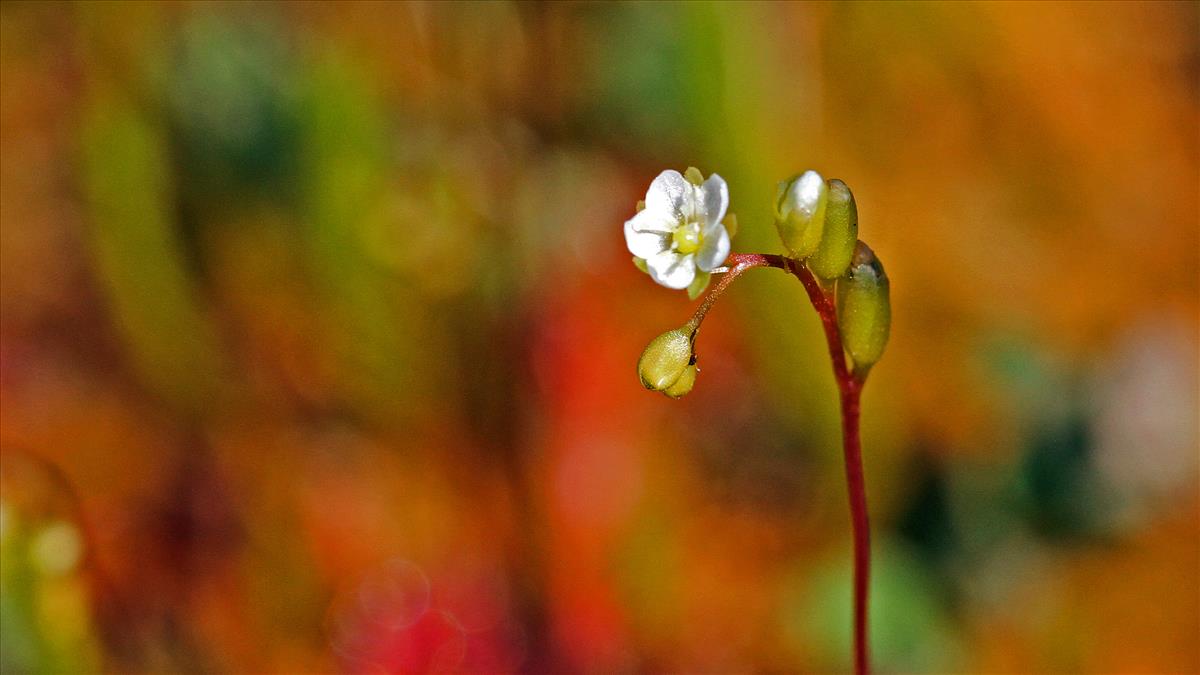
864, 308
800, 213
684, 384
666, 361
832, 257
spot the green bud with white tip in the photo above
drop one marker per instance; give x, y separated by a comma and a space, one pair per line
800, 213
832, 256
864, 308
668, 364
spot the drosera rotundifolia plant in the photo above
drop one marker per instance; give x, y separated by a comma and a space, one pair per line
681, 237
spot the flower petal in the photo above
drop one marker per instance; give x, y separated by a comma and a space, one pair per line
670, 194
714, 196
714, 250
653, 221
645, 244
672, 270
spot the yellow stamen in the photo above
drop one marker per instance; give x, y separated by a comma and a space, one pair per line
688, 238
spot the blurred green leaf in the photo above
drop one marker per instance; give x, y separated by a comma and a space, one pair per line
344, 171
139, 257
909, 627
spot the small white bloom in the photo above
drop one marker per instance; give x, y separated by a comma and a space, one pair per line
680, 229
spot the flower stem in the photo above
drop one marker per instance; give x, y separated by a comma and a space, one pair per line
850, 384
856, 487
740, 262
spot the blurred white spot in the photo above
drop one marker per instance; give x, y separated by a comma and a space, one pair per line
1147, 402
56, 549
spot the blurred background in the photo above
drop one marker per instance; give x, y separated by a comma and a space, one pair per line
319, 339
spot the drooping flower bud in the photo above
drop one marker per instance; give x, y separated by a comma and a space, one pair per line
864, 308
667, 364
800, 213
832, 256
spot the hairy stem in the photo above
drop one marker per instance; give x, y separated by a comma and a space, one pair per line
850, 384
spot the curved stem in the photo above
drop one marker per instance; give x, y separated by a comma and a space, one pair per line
739, 262
850, 384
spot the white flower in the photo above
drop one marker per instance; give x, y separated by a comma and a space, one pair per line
680, 229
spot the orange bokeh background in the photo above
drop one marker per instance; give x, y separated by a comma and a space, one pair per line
319, 337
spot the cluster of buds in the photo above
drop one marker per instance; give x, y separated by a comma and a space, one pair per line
817, 220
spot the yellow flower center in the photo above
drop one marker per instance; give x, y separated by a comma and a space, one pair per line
688, 238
